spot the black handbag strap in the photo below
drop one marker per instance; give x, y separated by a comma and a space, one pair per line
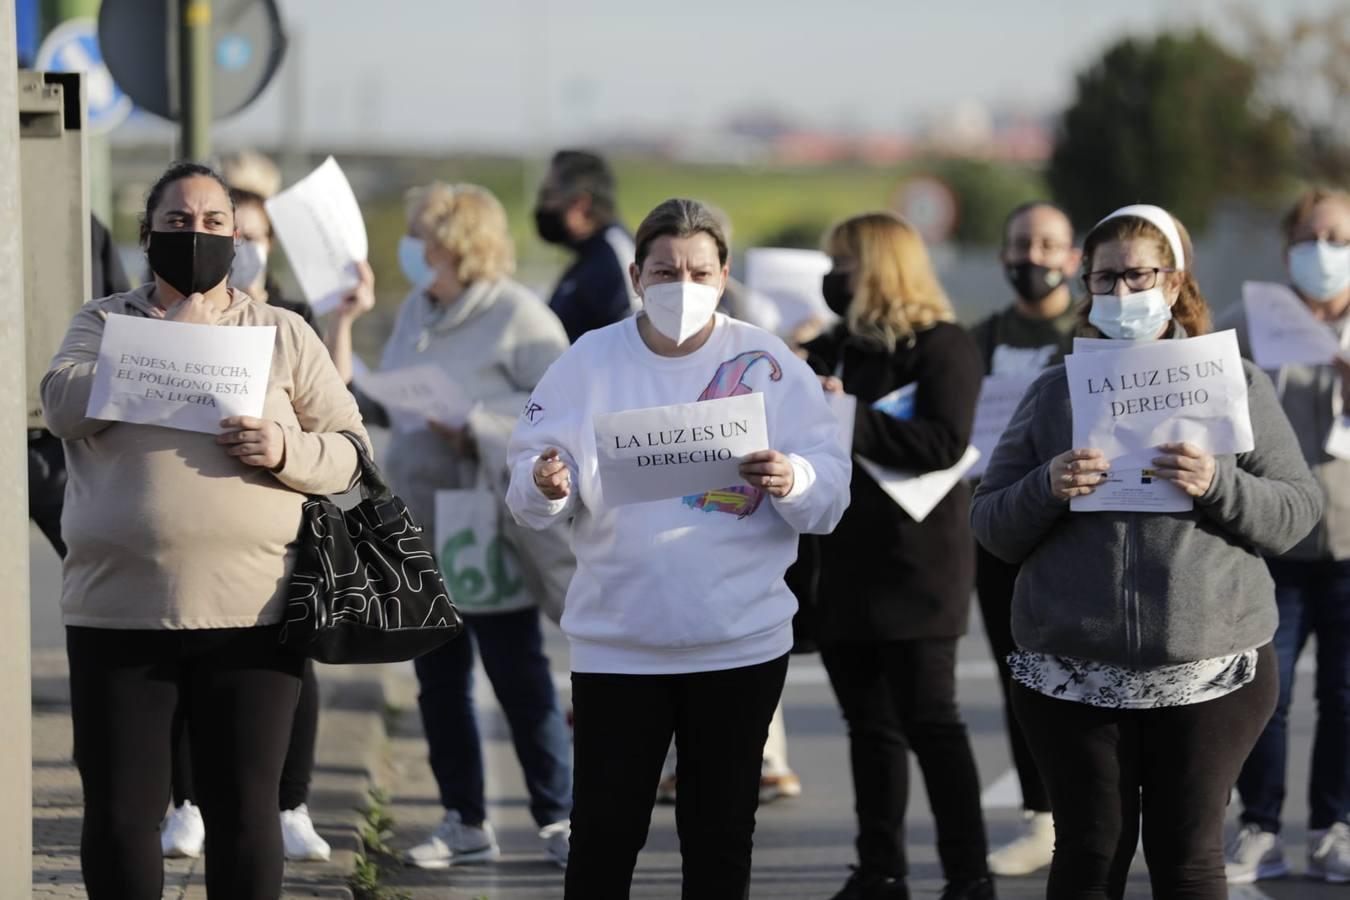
373, 485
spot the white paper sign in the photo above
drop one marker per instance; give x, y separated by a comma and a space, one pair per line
999, 398
320, 225
1134, 490
675, 451
845, 409
414, 394
176, 375
1128, 402
919, 494
1282, 330
791, 279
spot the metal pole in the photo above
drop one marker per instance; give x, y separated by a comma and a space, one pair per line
194, 74
16, 697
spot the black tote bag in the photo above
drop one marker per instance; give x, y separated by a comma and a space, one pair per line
365, 588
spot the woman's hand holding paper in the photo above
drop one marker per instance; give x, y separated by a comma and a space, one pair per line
770, 471
1186, 466
1076, 473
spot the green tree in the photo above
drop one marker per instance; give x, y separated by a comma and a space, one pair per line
1174, 120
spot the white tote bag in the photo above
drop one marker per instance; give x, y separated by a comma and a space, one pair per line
481, 569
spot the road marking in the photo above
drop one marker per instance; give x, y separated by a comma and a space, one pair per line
1004, 793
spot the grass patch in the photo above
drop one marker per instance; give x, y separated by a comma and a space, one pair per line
377, 827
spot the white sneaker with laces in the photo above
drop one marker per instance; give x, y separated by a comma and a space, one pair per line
453, 843
1028, 852
557, 840
1329, 854
1254, 855
183, 832
302, 842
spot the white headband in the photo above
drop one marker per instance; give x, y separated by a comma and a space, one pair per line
1158, 218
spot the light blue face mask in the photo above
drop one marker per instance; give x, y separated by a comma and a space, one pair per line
1319, 269
1140, 316
412, 259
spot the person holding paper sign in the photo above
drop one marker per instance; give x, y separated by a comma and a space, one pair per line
183, 832
181, 543
1039, 260
678, 618
895, 592
1312, 581
493, 339
1144, 671
248, 272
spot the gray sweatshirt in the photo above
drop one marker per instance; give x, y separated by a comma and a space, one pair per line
1307, 394
1144, 589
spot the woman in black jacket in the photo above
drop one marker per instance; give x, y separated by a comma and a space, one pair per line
895, 593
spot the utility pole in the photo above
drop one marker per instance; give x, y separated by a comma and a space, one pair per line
194, 77
16, 695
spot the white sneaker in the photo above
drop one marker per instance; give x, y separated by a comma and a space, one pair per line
302, 842
557, 842
453, 843
779, 786
1329, 854
183, 832
1254, 855
1028, 852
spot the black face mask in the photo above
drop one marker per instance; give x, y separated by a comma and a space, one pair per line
192, 262
551, 227
1032, 282
834, 285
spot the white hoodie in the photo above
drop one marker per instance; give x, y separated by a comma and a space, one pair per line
681, 585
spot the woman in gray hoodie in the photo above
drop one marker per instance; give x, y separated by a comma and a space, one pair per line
494, 340
1144, 671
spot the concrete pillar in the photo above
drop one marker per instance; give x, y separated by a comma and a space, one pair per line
16, 703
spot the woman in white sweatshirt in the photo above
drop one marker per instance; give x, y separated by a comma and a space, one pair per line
678, 617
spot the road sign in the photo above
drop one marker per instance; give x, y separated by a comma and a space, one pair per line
927, 203
140, 38
73, 47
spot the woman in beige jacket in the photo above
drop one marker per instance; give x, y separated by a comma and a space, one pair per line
181, 545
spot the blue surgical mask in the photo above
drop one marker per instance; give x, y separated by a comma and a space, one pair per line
412, 258
1320, 270
1140, 316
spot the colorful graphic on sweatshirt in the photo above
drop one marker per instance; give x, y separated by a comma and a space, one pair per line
741, 500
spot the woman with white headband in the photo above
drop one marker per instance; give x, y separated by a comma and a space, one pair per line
1144, 671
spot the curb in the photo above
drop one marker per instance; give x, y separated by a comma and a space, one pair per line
350, 759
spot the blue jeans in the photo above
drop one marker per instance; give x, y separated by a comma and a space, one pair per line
512, 647
1314, 599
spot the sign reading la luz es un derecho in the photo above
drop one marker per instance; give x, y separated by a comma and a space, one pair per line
673, 451
1129, 397
177, 375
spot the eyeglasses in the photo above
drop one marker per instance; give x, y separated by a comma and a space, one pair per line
1103, 281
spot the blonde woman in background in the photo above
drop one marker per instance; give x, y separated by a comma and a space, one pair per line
895, 593
494, 339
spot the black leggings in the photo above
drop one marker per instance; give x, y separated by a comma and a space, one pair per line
240, 689
296, 772
899, 696
623, 726
1176, 765
994, 584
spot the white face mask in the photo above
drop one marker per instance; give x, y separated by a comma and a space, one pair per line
1135, 317
1318, 269
680, 309
249, 266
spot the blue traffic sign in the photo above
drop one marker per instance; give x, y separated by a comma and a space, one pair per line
72, 46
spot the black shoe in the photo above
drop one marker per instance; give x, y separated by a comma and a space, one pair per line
974, 889
868, 884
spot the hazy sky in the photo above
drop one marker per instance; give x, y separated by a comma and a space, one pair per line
512, 73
